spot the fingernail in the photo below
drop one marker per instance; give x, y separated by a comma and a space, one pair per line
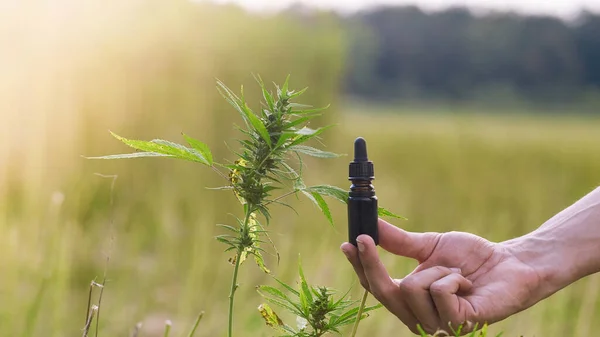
456, 270
346, 254
361, 245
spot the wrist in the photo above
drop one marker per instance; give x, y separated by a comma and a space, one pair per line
564, 249
552, 265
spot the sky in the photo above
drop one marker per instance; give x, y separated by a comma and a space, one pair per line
562, 8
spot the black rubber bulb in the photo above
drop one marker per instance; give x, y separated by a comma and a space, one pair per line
360, 150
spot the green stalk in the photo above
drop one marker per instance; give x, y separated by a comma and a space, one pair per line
360, 311
234, 278
232, 292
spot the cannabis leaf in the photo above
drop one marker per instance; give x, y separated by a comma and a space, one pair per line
317, 312
162, 148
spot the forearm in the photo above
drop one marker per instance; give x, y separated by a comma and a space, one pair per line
565, 248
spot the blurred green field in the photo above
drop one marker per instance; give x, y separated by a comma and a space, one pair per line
150, 74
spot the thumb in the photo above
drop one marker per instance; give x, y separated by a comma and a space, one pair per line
397, 241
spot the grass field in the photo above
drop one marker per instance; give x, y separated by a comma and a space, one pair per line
149, 72
495, 176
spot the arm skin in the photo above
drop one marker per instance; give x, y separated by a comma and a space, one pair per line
565, 248
465, 278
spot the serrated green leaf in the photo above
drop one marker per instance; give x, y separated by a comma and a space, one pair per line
259, 127
270, 188
182, 152
220, 188
323, 206
233, 100
349, 317
318, 200
226, 241
200, 147
284, 88
260, 261
299, 106
290, 170
266, 94
163, 147
384, 212
331, 191
305, 131
293, 308
273, 292
298, 93
282, 139
279, 298
228, 227
310, 111
290, 289
314, 152
304, 303
310, 134
304, 289
298, 121
131, 155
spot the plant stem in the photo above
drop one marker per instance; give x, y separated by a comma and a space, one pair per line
235, 275
360, 311
232, 292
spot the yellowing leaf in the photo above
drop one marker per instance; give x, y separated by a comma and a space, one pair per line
270, 317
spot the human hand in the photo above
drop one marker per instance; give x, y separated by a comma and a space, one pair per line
460, 278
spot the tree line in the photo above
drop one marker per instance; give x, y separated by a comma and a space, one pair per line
404, 52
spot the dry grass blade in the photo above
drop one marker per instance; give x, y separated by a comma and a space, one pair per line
101, 286
136, 330
90, 318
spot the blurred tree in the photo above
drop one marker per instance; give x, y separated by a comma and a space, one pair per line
587, 36
404, 52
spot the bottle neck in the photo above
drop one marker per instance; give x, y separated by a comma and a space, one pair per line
362, 188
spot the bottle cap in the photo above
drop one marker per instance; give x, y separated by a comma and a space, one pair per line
361, 167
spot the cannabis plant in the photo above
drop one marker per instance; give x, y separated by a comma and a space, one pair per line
274, 136
316, 310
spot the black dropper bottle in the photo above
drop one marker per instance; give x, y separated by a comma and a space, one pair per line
362, 202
